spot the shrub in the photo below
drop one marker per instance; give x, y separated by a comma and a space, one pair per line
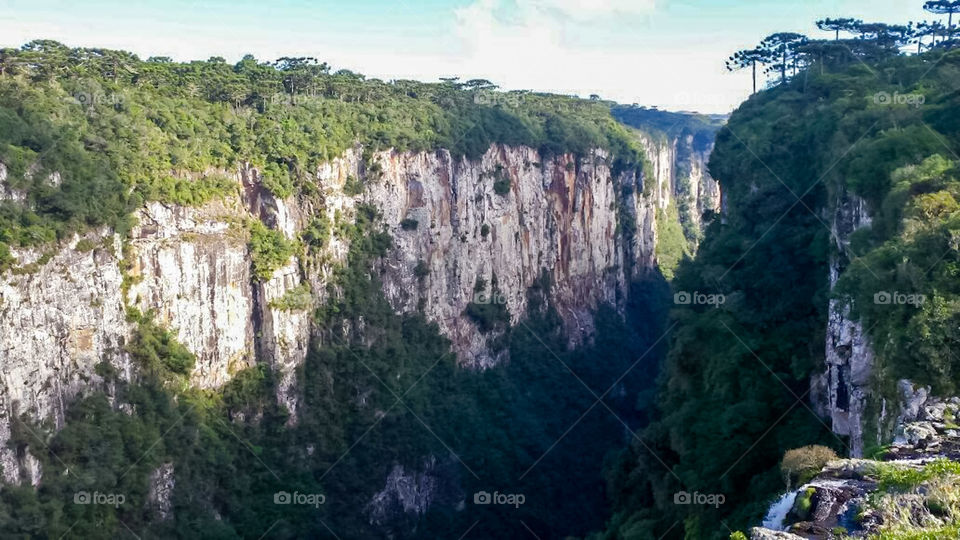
502, 185
295, 299
421, 270
6, 259
85, 245
484, 230
158, 351
802, 464
269, 250
317, 233
409, 224
352, 186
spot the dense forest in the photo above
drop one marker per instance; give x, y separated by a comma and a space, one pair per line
846, 115
87, 136
119, 131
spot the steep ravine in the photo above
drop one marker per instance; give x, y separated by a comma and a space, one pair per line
450, 218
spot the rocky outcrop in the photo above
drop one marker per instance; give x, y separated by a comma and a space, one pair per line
191, 269
60, 315
842, 392
412, 492
7, 193
160, 495
847, 499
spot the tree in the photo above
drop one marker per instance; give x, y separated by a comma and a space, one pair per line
928, 29
887, 36
782, 49
941, 7
748, 58
839, 25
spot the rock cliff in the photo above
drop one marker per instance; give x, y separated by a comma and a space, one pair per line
842, 392
507, 218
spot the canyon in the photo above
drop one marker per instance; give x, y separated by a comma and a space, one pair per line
63, 310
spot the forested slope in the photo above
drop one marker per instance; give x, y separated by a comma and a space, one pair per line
735, 392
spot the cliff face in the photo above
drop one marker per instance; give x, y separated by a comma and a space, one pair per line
841, 393
509, 217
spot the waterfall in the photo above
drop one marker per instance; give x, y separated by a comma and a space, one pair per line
779, 510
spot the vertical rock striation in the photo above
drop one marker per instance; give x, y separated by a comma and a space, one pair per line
509, 218
842, 392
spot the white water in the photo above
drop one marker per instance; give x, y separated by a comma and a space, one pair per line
778, 511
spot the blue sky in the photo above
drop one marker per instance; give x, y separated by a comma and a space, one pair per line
666, 53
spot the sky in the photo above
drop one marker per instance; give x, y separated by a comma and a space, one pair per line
664, 53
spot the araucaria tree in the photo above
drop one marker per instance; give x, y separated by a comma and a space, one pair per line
944, 7
839, 25
782, 49
747, 58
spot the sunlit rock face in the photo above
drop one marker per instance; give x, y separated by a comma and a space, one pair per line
842, 392
512, 217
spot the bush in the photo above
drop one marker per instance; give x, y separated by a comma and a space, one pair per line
421, 270
298, 298
409, 224
352, 186
85, 245
269, 250
317, 233
158, 351
800, 465
502, 186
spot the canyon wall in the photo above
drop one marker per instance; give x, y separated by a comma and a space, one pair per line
507, 218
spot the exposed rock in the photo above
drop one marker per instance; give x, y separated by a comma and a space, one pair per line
845, 495
6, 192
56, 323
842, 392
191, 267
160, 496
759, 533
410, 493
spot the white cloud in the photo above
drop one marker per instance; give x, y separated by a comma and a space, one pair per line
522, 46
589, 9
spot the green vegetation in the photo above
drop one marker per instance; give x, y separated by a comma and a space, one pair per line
156, 350
803, 504
233, 448
298, 298
903, 478
501, 181
732, 381
85, 245
269, 250
800, 465
90, 134
672, 245
421, 270
317, 233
